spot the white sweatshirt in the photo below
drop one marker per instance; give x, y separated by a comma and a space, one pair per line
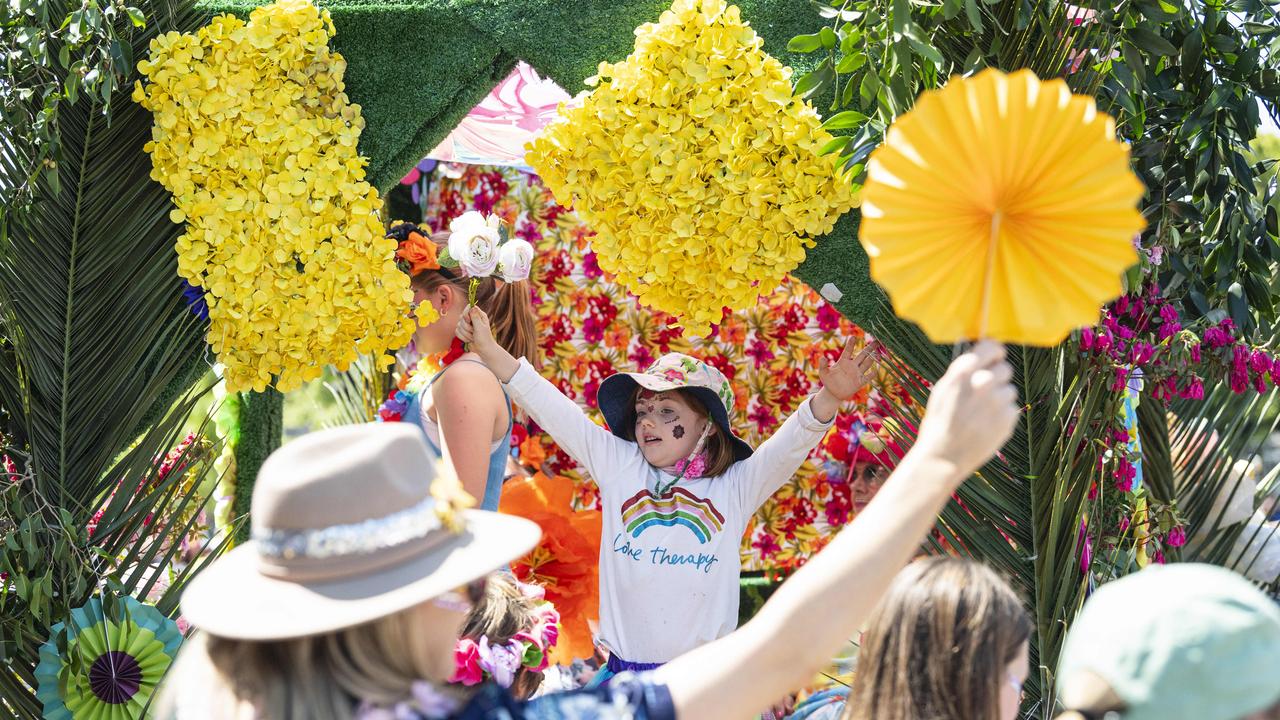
669, 567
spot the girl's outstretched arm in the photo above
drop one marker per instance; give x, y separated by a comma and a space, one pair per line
778, 458
586, 442
971, 412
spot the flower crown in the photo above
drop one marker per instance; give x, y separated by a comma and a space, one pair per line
479, 245
477, 661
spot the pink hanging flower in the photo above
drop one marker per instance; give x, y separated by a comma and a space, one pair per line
1158, 558
1120, 380
1195, 353
1220, 335
1239, 378
1177, 537
1124, 474
1194, 389
1123, 527
1142, 353
1086, 339
1104, 340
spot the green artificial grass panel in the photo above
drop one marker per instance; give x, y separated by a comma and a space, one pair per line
417, 67
567, 40
839, 259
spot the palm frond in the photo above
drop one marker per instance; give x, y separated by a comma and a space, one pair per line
1218, 441
1021, 514
97, 344
359, 391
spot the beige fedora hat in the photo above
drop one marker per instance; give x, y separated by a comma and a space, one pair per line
346, 529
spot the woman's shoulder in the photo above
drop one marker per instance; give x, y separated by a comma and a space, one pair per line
466, 375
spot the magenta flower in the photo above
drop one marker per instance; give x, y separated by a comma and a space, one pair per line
1194, 389
592, 330
1121, 379
1195, 353
762, 417
1124, 474
1220, 335
1177, 537
1239, 378
1104, 340
641, 356
1086, 339
828, 318
466, 658
591, 266
1142, 352
1260, 362
759, 352
767, 545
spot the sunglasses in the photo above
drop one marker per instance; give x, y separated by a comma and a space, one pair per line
463, 598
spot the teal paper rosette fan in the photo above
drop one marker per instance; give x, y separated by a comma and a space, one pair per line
110, 666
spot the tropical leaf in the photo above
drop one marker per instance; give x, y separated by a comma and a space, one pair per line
1218, 444
1021, 514
359, 391
96, 356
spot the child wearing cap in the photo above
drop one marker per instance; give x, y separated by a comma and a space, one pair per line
676, 485
1173, 642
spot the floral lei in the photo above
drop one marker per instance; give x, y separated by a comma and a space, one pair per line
416, 380
477, 661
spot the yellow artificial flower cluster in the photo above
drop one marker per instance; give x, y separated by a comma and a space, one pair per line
256, 140
696, 165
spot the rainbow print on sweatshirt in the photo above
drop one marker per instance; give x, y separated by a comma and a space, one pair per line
678, 507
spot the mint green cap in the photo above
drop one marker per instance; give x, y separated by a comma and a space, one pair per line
1177, 641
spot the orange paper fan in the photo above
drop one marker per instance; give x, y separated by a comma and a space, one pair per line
1003, 207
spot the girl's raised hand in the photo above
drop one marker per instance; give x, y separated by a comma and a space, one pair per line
850, 372
475, 331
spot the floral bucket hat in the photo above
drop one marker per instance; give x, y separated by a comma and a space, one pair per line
672, 371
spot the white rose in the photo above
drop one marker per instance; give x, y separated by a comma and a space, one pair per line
468, 223
474, 245
515, 259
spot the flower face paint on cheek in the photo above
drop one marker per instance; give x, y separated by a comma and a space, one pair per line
678, 432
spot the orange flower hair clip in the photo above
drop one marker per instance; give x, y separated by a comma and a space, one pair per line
418, 253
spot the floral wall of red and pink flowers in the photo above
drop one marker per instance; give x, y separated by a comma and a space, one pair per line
592, 328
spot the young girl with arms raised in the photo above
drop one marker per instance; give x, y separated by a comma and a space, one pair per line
676, 485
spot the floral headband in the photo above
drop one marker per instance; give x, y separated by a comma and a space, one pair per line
479, 661
478, 245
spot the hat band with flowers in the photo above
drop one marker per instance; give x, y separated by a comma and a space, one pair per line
377, 542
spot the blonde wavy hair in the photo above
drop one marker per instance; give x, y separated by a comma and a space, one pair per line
322, 677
